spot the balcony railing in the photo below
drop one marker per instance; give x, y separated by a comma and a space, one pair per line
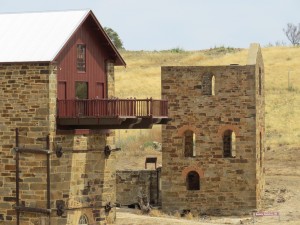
101, 108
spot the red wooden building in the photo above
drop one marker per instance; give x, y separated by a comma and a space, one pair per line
83, 100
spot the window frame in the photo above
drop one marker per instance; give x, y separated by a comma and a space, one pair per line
87, 89
81, 58
229, 144
193, 185
189, 141
213, 85
83, 218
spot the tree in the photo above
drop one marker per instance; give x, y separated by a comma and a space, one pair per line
292, 32
114, 37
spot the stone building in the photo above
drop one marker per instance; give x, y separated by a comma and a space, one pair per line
213, 148
57, 114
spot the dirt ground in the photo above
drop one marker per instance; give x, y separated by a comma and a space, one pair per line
282, 194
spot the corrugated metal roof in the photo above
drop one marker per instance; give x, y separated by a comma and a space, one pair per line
38, 36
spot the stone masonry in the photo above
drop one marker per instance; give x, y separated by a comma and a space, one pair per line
83, 179
131, 184
221, 109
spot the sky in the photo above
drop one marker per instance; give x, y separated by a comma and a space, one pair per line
185, 24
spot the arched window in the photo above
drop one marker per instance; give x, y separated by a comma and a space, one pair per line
229, 146
189, 143
193, 181
259, 81
83, 220
213, 85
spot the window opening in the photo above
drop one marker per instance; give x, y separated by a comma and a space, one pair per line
194, 144
193, 181
189, 143
229, 144
233, 146
81, 58
213, 80
81, 90
83, 220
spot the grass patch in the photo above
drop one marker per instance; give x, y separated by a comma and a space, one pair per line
142, 79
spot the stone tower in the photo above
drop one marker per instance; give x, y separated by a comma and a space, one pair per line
213, 148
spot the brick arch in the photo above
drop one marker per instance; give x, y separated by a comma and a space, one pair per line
192, 168
223, 128
184, 128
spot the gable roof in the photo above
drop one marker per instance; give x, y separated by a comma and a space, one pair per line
40, 36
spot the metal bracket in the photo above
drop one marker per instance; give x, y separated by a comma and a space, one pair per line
60, 208
18, 207
108, 150
108, 207
58, 151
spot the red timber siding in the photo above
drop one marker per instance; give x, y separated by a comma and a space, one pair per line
96, 55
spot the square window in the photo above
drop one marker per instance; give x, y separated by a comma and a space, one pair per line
81, 90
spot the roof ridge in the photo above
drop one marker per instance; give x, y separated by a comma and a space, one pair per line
46, 11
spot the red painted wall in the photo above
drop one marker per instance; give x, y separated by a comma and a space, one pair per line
96, 55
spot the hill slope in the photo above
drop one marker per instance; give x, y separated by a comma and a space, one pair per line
142, 77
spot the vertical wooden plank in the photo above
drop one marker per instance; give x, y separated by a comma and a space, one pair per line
96, 55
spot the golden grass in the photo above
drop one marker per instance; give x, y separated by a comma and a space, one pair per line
142, 78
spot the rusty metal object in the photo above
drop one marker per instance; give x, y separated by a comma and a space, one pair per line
61, 207
108, 149
108, 207
46, 152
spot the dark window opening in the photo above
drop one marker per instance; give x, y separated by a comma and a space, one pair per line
193, 181
81, 90
208, 84
229, 147
81, 58
189, 144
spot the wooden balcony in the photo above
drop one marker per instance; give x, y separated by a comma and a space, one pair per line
111, 113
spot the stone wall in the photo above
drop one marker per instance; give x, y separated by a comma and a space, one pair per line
83, 178
131, 184
260, 119
228, 185
25, 105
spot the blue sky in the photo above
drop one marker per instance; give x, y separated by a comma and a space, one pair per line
187, 24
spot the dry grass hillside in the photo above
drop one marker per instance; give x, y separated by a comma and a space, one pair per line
141, 79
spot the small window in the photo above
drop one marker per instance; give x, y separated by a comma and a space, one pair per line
81, 90
83, 220
229, 146
81, 55
189, 144
213, 80
193, 181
